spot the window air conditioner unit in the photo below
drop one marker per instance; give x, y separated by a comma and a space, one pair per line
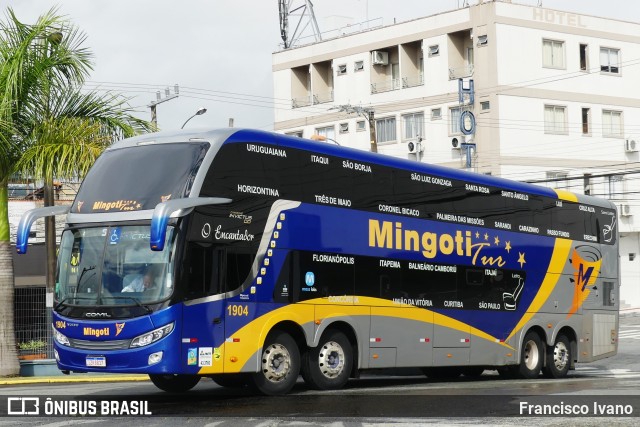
625, 210
379, 57
415, 147
631, 144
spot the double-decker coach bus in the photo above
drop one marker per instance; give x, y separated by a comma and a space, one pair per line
253, 257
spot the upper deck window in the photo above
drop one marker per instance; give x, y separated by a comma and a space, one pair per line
138, 178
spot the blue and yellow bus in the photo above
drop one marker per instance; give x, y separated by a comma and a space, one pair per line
253, 257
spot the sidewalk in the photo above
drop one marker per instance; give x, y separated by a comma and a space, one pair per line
73, 378
630, 311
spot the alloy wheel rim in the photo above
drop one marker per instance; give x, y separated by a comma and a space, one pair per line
331, 359
276, 362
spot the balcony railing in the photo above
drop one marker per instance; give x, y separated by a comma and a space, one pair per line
321, 98
387, 86
412, 81
460, 72
303, 101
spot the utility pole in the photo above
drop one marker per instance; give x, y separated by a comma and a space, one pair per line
372, 131
369, 114
160, 100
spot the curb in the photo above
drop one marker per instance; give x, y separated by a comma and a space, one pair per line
73, 379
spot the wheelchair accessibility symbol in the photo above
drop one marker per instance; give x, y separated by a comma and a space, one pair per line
114, 236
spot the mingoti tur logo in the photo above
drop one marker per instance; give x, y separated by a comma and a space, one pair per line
586, 261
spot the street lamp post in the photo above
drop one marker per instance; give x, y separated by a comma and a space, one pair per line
316, 137
200, 112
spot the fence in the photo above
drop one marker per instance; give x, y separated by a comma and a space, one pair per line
32, 323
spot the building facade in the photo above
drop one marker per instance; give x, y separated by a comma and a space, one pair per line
548, 96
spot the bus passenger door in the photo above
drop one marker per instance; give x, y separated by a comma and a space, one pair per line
204, 310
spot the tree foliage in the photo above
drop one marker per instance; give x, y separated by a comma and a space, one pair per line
50, 126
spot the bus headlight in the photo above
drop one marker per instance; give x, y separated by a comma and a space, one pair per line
60, 339
151, 337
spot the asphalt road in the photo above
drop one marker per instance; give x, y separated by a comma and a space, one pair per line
604, 386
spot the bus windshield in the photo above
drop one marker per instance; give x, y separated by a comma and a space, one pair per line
138, 178
113, 266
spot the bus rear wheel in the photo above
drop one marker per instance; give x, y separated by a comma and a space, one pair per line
328, 366
174, 383
531, 356
558, 358
280, 365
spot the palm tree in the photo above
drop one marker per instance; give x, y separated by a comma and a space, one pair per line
49, 128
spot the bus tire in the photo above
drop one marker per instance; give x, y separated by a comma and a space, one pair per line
558, 358
279, 365
231, 380
531, 356
328, 366
174, 383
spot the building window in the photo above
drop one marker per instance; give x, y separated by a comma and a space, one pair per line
297, 133
434, 50
360, 126
586, 183
386, 129
584, 58
609, 60
436, 113
557, 180
586, 121
483, 40
328, 132
413, 125
612, 123
552, 54
555, 119
614, 186
454, 125
342, 69
358, 66
485, 106
344, 127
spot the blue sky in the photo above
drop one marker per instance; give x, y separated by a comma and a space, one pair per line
219, 51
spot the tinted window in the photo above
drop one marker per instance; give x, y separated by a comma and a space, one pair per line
137, 178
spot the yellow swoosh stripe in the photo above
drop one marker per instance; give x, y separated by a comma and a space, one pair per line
566, 195
556, 265
251, 336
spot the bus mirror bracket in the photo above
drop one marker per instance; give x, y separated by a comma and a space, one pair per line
163, 211
27, 220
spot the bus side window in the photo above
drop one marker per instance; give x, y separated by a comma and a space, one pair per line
238, 265
203, 267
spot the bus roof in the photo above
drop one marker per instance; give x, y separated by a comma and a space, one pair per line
217, 137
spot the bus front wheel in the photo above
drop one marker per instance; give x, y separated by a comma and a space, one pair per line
558, 358
174, 383
531, 356
279, 365
328, 366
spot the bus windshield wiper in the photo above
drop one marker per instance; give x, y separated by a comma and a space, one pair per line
84, 270
134, 299
63, 300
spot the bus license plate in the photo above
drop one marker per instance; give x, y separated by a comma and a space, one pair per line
97, 361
